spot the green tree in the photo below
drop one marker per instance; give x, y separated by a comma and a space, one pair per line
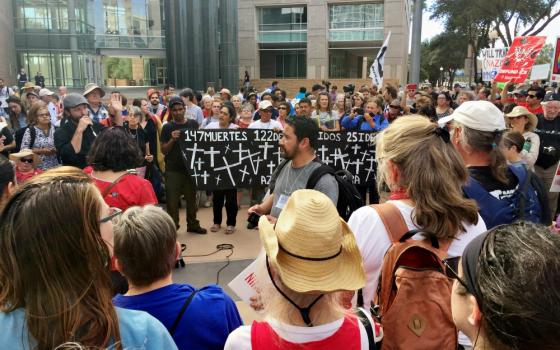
447, 50
510, 18
118, 68
546, 55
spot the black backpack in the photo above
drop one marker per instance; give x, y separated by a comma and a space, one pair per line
349, 199
19, 137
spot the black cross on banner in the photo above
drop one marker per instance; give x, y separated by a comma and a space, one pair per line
223, 159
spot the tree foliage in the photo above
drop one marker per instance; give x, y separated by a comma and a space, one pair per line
447, 50
510, 18
546, 56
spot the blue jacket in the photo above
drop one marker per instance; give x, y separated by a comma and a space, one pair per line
358, 123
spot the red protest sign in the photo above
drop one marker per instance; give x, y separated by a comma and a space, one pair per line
520, 58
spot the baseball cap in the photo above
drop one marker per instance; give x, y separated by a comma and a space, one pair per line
521, 92
551, 97
176, 100
265, 104
73, 100
477, 115
45, 92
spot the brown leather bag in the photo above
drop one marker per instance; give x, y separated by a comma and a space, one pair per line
414, 293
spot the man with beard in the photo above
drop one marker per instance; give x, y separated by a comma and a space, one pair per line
297, 146
155, 106
78, 130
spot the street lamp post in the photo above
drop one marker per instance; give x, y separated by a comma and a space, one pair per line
441, 75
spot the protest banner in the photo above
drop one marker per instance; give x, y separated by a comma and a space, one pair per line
223, 159
492, 60
520, 58
555, 76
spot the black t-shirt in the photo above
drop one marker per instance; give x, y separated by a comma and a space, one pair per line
138, 135
63, 142
549, 134
483, 175
150, 131
8, 139
174, 159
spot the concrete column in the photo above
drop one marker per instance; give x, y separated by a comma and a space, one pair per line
248, 47
365, 70
416, 42
8, 68
396, 57
76, 74
317, 41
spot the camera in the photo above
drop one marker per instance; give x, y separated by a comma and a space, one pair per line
253, 220
359, 111
349, 89
326, 83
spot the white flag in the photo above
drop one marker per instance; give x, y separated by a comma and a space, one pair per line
376, 69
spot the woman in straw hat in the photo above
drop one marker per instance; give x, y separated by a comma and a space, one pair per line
525, 122
424, 172
26, 165
305, 268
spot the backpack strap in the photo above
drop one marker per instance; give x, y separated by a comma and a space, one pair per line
518, 172
108, 189
392, 220
32, 136
317, 174
370, 332
175, 324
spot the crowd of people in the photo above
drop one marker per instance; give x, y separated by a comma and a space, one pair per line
464, 178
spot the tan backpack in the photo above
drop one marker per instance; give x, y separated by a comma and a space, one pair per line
414, 293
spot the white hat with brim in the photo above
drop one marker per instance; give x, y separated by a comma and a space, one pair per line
26, 153
90, 87
477, 115
311, 248
45, 92
519, 111
264, 104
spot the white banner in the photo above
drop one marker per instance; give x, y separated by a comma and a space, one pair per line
376, 69
540, 72
492, 61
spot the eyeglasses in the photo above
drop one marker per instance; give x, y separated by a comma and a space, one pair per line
113, 213
26, 160
451, 273
44, 115
282, 108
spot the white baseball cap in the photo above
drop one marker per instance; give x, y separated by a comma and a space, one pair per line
264, 104
477, 115
45, 92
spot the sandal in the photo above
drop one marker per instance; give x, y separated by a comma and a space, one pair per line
215, 228
230, 230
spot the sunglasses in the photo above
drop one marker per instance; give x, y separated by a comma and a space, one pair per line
26, 160
113, 213
531, 96
451, 272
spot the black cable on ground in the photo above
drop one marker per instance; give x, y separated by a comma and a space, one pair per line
219, 247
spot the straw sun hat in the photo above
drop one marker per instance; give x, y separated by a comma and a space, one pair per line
311, 248
519, 111
26, 153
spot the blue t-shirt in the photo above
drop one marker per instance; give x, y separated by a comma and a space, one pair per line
209, 319
138, 331
358, 123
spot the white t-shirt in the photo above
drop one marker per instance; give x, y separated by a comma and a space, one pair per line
216, 125
373, 241
240, 339
272, 124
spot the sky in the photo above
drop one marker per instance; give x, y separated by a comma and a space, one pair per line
431, 28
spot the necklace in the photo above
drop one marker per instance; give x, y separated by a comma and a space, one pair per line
294, 182
134, 134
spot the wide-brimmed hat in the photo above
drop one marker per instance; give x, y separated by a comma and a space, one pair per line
26, 153
519, 111
92, 86
310, 247
29, 85
477, 115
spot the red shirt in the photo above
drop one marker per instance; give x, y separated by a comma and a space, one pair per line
538, 110
130, 191
22, 177
347, 337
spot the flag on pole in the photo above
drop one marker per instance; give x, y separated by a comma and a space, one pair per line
376, 69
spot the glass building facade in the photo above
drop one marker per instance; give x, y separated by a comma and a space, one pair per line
70, 41
282, 39
354, 31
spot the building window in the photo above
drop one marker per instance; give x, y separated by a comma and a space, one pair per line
282, 24
356, 22
55, 66
348, 63
283, 63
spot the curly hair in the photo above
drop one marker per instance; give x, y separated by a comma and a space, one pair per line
114, 150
